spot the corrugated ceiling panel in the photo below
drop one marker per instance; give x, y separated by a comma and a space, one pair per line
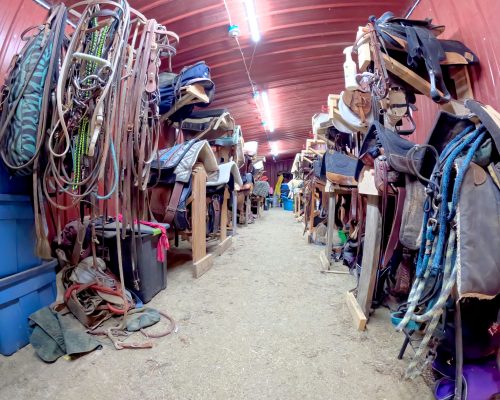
475, 23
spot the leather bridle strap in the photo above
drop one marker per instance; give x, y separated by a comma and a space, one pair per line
173, 203
393, 241
217, 211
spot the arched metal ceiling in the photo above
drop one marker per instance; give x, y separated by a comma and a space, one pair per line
298, 59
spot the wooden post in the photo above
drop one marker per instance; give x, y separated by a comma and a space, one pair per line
223, 216
331, 227
199, 212
259, 206
248, 208
235, 211
312, 210
371, 254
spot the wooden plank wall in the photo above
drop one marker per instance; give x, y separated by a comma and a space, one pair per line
273, 168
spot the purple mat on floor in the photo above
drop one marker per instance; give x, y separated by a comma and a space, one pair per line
481, 382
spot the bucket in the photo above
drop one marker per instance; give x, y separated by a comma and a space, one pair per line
276, 203
288, 204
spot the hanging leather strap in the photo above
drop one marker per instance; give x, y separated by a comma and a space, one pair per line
173, 203
353, 214
217, 211
393, 241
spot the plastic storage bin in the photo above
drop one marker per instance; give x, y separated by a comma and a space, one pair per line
152, 273
288, 204
13, 184
20, 296
17, 235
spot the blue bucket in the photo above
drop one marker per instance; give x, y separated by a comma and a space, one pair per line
288, 204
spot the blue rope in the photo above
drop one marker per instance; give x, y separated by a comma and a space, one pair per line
445, 183
461, 175
115, 169
449, 153
430, 236
422, 261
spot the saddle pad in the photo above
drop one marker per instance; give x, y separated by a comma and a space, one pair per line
24, 90
223, 175
339, 168
211, 113
200, 121
317, 164
176, 163
199, 151
170, 157
478, 222
261, 188
232, 140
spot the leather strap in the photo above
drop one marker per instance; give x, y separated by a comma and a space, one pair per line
217, 211
353, 214
393, 241
173, 203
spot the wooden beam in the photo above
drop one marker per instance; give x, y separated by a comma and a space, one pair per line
358, 318
223, 246
199, 212
463, 86
259, 206
330, 228
234, 221
371, 253
367, 182
207, 262
189, 94
197, 92
334, 271
248, 208
406, 74
223, 215
203, 265
324, 261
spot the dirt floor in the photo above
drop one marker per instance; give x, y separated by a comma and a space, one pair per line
263, 323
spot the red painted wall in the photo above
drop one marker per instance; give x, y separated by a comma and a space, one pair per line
15, 17
474, 23
274, 167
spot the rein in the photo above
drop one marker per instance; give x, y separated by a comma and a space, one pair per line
438, 251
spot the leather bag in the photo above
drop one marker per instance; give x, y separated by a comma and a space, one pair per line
410, 235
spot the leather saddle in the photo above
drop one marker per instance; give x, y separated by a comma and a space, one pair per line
397, 162
403, 156
339, 168
424, 51
171, 180
208, 124
317, 164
